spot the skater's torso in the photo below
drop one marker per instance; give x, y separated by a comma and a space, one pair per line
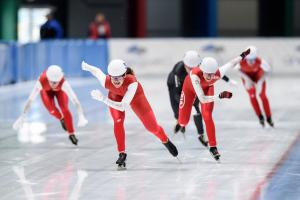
207, 87
178, 74
139, 102
254, 71
46, 86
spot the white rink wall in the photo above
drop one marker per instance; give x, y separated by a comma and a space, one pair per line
158, 56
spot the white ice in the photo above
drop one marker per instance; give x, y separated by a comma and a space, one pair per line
41, 163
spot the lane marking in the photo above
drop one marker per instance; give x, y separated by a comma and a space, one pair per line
261, 185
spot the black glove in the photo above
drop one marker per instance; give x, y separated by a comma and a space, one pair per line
245, 53
225, 94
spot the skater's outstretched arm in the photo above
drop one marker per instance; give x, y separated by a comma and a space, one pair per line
94, 71
35, 91
66, 87
200, 94
231, 64
97, 95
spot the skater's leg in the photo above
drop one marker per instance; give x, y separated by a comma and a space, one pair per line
186, 102
207, 109
174, 99
48, 101
253, 100
62, 100
118, 118
199, 123
255, 105
198, 117
149, 121
266, 104
174, 96
265, 100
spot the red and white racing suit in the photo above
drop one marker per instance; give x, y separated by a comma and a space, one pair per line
195, 84
254, 79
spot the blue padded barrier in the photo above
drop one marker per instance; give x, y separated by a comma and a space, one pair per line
25, 62
7, 54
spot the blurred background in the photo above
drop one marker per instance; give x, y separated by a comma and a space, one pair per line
21, 19
37, 33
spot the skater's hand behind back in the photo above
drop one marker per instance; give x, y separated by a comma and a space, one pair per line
97, 95
85, 66
19, 122
82, 121
233, 83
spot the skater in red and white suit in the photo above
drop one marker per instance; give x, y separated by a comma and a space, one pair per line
201, 82
51, 85
124, 89
253, 71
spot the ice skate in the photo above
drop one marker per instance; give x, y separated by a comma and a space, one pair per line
177, 128
73, 139
214, 152
121, 161
270, 121
262, 120
202, 140
63, 125
171, 147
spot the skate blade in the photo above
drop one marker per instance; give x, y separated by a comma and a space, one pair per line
205, 146
178, 160
183, 135
121, 168
216, 159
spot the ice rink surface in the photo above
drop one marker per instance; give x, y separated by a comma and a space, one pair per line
39, 162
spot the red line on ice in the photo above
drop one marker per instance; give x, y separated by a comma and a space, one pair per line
259, 187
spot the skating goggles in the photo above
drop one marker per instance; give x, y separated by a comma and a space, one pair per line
117, 78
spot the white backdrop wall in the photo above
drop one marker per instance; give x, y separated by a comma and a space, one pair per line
158, 56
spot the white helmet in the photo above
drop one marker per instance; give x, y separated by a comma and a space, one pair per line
209, 65
253, 53
54, 73
116, 67
191, 59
